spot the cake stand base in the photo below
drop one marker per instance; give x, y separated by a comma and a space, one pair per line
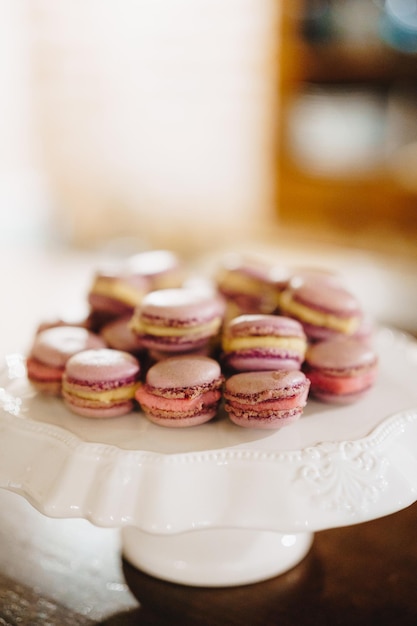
215, 558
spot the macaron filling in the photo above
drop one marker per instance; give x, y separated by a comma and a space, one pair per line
99, 394
263, 359
342, 322
321, 381
169, 407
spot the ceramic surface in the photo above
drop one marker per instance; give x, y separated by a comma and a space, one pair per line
217, 505
336, 466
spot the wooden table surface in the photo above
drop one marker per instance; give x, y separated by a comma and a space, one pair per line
68, 572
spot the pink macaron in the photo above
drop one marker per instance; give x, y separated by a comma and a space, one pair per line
341, 370
323, 306
115, 292
181, 391
263, 342
266, 400
119, 286
162, 269
50, 351
101, 383
118, 335
250, 284
175, 321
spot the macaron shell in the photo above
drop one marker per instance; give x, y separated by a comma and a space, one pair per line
183, 371
183, 422
184, 305
116, 410
101, 366
261, 325
54, 346
341, 354
162, 269
255, 386
261, 360
278, 420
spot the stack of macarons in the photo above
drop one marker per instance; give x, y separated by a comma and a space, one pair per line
255, 338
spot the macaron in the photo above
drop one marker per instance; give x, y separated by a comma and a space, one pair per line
118, 335
162, 269
266, 400
115, 291
175, 321
50, 351
101, 383
250, 284
263, 342
181, 391
119, 286
341, 370
324, 307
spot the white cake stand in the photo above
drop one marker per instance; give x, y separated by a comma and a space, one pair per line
217, 505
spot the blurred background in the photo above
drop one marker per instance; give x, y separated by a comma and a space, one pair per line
193, 123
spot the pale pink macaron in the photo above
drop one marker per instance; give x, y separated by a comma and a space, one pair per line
181, 391
101, 383
50, 351
114, 292
119, 286
266, 400
263, 342
162, 269
341, 370
118, 335
175, 321
324, 306
250, 284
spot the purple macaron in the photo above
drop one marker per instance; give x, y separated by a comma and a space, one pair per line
51, 350
263, 342
101, 383
341, 370
323, 306
266, 400
175, 321
181, 391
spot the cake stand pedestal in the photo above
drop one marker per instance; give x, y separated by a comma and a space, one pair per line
215, 557
217, 505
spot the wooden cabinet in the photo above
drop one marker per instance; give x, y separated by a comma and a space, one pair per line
369, 198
